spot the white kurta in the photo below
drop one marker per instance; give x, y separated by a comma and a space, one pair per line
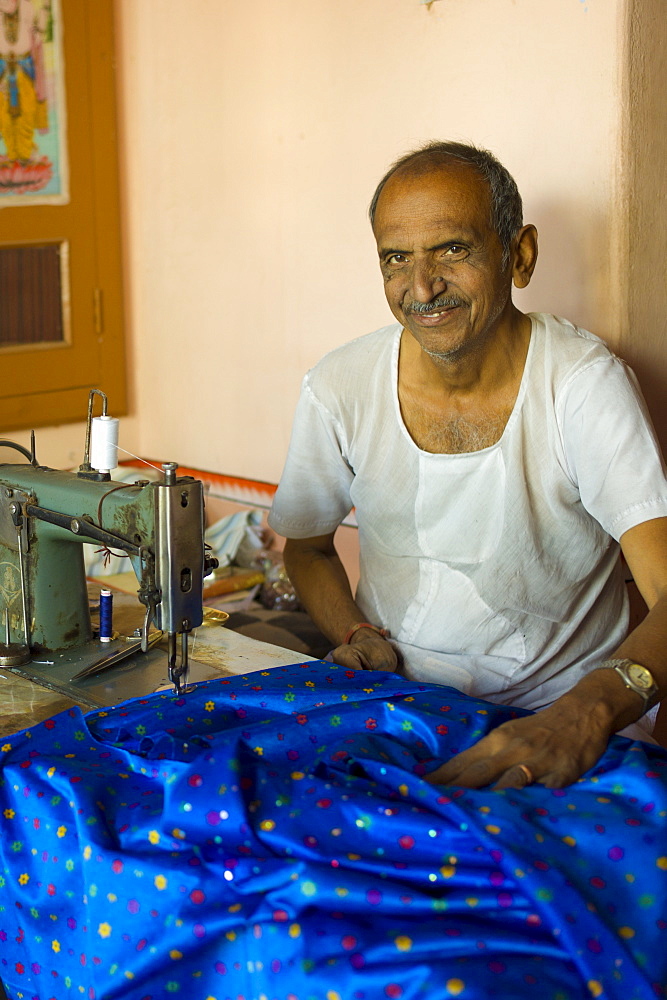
496, 571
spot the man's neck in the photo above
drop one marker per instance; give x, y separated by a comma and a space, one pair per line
462, 403
480, 367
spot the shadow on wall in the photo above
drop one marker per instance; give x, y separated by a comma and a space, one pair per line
651, 378
568, 251
576, 242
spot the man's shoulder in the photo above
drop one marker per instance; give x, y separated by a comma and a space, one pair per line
365, 348
570, 348
356, 360
566, 334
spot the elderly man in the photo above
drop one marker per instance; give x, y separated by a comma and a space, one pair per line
495, 461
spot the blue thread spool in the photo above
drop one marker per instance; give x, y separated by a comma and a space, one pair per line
106, 614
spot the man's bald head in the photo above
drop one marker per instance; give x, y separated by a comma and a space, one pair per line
506, 207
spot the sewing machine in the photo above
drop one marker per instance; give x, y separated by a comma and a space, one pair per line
46, 515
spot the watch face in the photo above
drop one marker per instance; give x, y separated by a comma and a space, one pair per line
640, 676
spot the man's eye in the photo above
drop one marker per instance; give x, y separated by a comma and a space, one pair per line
396, 258
455, 250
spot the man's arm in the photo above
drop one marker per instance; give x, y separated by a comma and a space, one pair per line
560, 743
320, 580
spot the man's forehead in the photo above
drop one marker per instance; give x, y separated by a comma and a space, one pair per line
403, 234
445, 198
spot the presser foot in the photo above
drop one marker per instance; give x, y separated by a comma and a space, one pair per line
178, 672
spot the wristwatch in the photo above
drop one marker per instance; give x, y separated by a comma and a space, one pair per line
636, 677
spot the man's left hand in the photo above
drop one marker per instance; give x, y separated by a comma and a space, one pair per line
554, 747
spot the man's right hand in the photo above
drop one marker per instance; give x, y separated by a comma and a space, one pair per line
324, 591
366, 651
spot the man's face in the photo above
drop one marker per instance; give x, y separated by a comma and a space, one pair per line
441, 261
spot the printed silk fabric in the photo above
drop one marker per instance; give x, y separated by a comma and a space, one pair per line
270, 836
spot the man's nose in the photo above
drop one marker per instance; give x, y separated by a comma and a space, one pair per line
427, 280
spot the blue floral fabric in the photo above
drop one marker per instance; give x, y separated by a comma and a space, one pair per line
271, 837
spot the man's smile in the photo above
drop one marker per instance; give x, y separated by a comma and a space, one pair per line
429, 313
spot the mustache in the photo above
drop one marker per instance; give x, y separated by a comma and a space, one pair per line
442, 302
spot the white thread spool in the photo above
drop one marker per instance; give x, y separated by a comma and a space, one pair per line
104, 443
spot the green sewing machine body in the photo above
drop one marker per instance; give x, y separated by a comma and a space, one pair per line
46, 515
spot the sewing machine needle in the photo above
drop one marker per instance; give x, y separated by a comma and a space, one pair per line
171, 659
184, 657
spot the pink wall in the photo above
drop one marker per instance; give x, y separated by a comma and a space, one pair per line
254, 136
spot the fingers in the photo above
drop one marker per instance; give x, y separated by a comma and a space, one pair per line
482, 773
367, 651
516, 776
521, 753
466, 770
347, 656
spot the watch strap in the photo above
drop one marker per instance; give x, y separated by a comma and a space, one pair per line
622, 665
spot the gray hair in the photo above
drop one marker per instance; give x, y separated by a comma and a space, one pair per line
506, 207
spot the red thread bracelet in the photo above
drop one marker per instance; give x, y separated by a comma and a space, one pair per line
384, 632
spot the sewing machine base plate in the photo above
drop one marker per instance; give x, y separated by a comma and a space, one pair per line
135, 677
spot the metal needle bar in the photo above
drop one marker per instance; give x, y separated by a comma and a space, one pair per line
24, 591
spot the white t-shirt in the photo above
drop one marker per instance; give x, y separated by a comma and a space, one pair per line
496, 571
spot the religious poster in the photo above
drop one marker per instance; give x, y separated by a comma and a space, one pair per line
33, 165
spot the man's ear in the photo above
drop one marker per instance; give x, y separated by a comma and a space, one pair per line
524, 256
